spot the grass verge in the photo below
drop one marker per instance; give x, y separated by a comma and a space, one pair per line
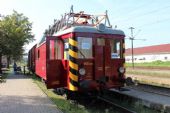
151, 64
61, 103
5, 72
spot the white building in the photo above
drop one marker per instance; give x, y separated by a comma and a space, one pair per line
149, 53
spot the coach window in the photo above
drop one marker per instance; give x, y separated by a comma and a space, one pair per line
51, 52
116, 48
58, 49
38, 54
84, 47
66, 49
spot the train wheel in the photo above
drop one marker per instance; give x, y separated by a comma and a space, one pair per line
129, 81
60, 91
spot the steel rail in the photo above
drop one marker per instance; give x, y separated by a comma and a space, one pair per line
121, 108
149, 91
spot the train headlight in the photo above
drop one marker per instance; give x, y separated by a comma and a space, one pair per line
82, 71
121, 69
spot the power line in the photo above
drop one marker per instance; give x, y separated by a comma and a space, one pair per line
149, 24
147, 13
134, 9
156, 22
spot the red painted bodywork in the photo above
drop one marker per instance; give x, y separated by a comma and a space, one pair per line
55, 74
41, 61
87, 64
55, 71
102, 64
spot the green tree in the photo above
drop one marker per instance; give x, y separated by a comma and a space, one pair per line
15, 32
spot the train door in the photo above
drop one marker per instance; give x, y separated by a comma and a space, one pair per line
112, 56
115, 62
108, 55
99, 59
55, 68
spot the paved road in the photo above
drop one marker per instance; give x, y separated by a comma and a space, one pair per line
20, 95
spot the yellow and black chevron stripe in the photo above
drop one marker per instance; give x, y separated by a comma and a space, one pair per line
73, 66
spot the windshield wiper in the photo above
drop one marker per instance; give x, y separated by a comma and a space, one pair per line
82, 53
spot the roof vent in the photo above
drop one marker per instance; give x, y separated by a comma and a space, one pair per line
101, 27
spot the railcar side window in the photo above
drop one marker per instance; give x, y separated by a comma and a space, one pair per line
38, 56
66, 49
58, 49
116, 48
51, 49
84, 47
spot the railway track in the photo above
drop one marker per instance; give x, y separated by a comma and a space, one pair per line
120, 108
152, 89
101, 102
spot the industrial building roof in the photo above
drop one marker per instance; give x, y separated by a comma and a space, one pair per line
163, 48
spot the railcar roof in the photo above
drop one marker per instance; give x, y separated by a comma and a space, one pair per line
90, 29
41, 40
86, 29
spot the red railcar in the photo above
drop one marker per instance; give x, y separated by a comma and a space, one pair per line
31, 58
81, 56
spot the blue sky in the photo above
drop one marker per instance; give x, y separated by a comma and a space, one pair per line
150, 18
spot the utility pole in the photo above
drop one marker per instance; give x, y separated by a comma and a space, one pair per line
132, 38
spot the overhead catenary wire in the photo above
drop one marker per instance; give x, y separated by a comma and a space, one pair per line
153, 23
148, 24
135, 9
132, 17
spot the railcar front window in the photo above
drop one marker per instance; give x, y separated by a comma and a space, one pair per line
101, 41
116, 48
84, 47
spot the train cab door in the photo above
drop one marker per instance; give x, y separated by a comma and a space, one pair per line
108, 63
105, 66
99, 60
111, 56
54, 55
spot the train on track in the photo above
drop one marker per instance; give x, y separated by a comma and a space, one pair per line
80, 53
